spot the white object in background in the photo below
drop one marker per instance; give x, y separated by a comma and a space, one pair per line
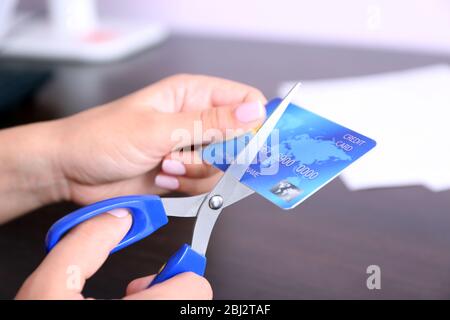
7, 9
94, 40
70, 17
406, 112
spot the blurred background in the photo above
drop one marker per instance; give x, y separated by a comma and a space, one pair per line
52, 35
402, 24
377, 66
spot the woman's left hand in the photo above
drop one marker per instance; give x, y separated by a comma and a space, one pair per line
130, 145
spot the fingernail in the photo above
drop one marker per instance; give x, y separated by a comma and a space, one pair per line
119, 213
174, 167
250, 111
166, 182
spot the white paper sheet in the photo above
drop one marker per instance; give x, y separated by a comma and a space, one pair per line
406, 112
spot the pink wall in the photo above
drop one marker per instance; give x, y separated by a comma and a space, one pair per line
416, 24
404, 24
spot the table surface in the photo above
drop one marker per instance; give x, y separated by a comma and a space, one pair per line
320, 249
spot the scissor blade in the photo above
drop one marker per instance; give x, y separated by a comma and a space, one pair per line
248, 154
229, 188
183, 206
240, 192
187, 207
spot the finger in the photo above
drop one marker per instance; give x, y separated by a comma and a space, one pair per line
200, 170
214, 91
143, 184
215, 124
188, 164
194, 186
185, 286
197, 92
79, 255
191, 186
139, 284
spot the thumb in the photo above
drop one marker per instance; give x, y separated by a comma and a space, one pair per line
213, 124
77, 257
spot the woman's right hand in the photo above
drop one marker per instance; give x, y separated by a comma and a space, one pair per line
79, 255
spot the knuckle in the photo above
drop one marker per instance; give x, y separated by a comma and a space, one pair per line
226, 118
220, 118
209, 118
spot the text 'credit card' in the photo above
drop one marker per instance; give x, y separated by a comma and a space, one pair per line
306, 153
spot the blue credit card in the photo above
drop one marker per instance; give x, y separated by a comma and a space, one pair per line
305, 153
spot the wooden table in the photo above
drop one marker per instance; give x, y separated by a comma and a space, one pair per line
321, 249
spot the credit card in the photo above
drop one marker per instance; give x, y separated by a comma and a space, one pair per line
305, 152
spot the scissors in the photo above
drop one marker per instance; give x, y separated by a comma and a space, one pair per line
149, 212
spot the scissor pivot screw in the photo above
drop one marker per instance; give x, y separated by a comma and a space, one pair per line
216, 202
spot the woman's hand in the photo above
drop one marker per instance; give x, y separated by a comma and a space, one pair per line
128, 146
82, 252
116, 149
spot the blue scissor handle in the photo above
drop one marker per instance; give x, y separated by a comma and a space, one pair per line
184, 260
147, 211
